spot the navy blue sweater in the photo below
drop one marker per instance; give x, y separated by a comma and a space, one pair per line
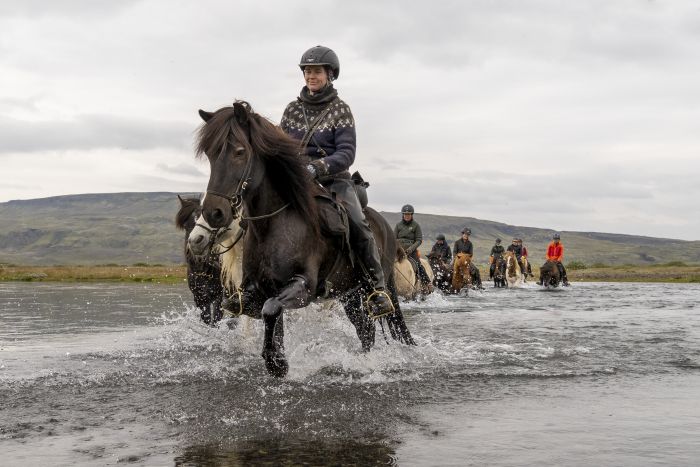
335, 135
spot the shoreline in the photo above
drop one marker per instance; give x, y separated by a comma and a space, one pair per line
174, 274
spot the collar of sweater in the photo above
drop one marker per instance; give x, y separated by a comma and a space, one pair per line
319, 99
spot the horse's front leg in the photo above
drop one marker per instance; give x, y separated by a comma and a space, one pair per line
296, 294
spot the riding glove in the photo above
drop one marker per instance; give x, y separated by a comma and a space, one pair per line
312, 170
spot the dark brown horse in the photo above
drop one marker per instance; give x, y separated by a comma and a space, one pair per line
499, 271
258, 176
203, 272
442, 272
549, 274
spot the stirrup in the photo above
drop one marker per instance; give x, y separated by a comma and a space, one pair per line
370, 308
230, 314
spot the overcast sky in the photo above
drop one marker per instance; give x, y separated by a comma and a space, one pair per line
577, 115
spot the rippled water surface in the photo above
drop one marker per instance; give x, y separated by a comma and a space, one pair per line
596, 374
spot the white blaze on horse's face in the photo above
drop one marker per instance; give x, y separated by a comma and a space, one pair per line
200, 237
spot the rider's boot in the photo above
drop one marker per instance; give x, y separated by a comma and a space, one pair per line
378, 301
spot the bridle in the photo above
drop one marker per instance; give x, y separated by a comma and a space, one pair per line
236, 200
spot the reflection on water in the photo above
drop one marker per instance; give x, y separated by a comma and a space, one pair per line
108, 374
299, 452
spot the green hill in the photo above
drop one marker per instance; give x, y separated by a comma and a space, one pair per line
128, 228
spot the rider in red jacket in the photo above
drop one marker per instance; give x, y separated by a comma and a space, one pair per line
555, 252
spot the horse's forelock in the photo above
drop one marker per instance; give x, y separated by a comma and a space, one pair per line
187, 208
277, 150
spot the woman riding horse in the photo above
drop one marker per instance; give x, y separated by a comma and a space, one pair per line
325, 126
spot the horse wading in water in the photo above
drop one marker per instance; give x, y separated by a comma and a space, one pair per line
408, 284
549, 274
465, 274
203, 272
258, 176
513, 274
442, 272
499, 271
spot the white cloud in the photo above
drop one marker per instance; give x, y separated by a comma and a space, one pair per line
498, 106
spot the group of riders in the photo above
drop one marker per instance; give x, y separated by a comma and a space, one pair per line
459, 258
325, 127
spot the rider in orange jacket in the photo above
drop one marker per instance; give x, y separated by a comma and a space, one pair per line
555, 252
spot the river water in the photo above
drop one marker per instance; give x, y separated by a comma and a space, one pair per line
596, 374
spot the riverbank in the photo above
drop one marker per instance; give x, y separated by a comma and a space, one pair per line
178, 273
104, 273
632, 273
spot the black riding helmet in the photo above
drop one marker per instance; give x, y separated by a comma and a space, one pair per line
556, 236
440, 237
407, 209
324, 56
498, 240
467, 231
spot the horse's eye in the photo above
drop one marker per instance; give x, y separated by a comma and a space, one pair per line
240, 152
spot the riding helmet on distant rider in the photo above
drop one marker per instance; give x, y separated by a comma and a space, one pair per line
407, 209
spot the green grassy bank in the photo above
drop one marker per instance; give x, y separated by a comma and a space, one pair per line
670, 272
103, 273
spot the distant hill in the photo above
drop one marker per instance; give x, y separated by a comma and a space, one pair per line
128, 228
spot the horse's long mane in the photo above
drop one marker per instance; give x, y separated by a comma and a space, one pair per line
188, 206
279, 153
400, 254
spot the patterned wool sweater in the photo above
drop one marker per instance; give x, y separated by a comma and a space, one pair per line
335, 135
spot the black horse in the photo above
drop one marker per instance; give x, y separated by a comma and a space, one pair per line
442, 272
549, 274
203, 272
499, 271
258, 176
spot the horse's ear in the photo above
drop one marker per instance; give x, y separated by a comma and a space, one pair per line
206, 116
182, 201
241, 112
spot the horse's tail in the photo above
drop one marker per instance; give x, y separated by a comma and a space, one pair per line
395, 321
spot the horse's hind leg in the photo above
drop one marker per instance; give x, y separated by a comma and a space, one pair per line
363, 324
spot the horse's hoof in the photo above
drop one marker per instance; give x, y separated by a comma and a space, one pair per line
276, 365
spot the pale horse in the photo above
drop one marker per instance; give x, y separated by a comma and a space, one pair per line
407, 284
514, 276
228, 244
